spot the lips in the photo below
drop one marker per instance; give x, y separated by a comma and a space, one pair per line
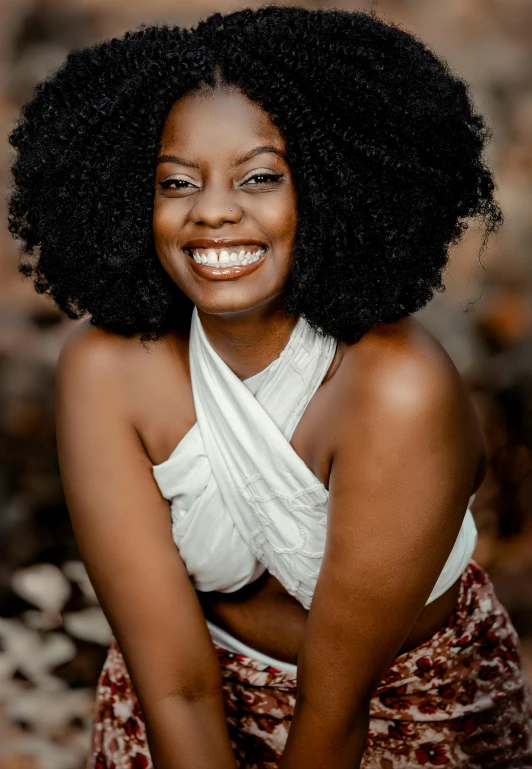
226, 271
224, 251
224, 258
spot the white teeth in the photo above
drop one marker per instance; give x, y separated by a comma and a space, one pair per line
226, 258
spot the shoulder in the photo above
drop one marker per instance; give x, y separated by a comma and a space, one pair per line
400, 364
86, 346
88, 380
146, 384
399, 376
96, 354
88, 367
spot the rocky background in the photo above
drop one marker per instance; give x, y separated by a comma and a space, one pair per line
53, 635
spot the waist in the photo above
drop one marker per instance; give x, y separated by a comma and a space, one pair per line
231, 644
281, 633
265, 615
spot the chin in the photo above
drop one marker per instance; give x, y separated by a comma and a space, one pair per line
222, 301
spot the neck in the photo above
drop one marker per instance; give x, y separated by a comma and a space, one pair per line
248, 342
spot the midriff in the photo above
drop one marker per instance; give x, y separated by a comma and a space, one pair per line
265, 617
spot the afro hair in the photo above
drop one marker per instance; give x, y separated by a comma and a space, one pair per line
383, 141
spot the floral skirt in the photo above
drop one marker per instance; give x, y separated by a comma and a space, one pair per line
458, 700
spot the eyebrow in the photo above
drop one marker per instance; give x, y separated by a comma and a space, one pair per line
242, 159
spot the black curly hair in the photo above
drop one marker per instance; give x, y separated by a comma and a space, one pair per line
383, 141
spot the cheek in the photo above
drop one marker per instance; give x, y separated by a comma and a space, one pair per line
279, 217
166, 222
290, 214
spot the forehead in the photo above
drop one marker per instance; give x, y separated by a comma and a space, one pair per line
218, 121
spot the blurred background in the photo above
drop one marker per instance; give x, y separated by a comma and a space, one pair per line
53, 635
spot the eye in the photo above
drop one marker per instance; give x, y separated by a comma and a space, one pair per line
180, 184
263, 178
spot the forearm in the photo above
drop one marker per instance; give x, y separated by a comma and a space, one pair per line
189, 734
318, 741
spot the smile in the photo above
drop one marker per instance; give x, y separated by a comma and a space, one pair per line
226, 257
228, 263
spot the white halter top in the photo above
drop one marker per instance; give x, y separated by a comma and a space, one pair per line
242, 500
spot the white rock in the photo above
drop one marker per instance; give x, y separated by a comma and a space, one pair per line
43, 585
88, 624
19, 642
50, 713
75, 570
33, 656
54, 650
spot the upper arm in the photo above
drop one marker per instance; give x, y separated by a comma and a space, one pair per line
123, 528
400, 481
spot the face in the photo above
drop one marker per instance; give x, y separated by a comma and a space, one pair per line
224, 195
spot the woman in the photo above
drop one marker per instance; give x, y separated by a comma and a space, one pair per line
267, 462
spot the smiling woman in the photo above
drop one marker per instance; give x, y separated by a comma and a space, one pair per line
269, 465
247, 199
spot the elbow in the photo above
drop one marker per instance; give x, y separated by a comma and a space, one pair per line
195, 694
194, 688
188, 678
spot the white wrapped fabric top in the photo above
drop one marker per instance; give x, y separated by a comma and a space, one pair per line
242, 500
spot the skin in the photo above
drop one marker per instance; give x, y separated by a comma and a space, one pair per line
234, 313
397, 492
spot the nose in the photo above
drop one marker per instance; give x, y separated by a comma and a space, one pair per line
215, 208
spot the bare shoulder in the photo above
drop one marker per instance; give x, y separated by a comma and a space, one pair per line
399, 376
142, 371
88, 351
402, 364
86, 368
92, 346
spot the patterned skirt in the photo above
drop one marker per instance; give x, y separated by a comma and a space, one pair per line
458, 700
